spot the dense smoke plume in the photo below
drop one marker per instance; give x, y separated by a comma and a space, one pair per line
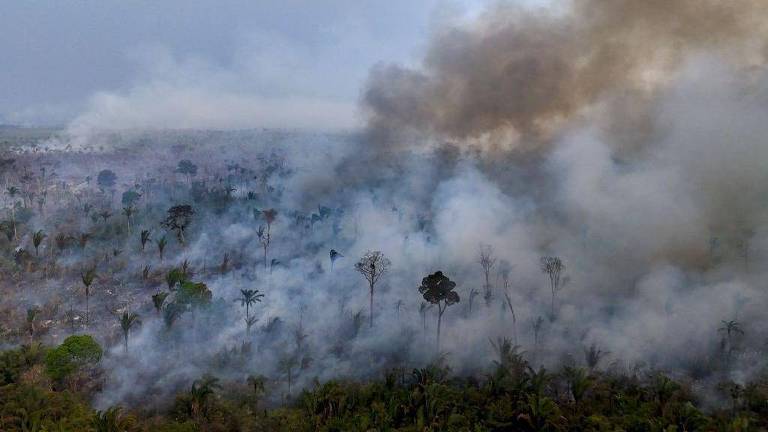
625, 137
513, 78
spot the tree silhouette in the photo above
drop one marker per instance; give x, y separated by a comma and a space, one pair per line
487, 261
13, 191
88, 277
129, 211
249, 297
439, 290
201, 390
161, 246
158, 300
32, 314
37, 239
286, 365
145, 237
187, 168
265, 234
334, 256
128, 320
372, 265
553, 267
178, 220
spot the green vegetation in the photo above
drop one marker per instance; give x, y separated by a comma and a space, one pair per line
512, 396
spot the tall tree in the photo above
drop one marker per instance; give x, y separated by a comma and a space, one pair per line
37, 239
248, 298
372, 266
145, 237
128, 320
158, 300
438, 289
178, 220
88, 277
487, 261
265, 234
553, 267
13, 191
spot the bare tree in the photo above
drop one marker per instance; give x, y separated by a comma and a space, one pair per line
504, 272
372, 265
553, 267
487, 261
265, 234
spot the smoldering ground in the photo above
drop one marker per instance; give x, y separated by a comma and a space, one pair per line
626, 138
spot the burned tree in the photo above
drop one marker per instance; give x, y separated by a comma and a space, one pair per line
487, 261
372, 265
554, 268
265, 234
439, 290
178, 219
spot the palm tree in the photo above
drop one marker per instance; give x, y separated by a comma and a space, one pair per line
88, 278
31, 318
113, 420
37, 239
161, 246
731, 329
144, 239
127, 321
247, 299
286, 366
257, 383
12, 191
201, 390
158, 300
129, 212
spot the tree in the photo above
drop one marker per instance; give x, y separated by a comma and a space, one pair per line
88, 277
129, 211
372, 266
128, 320
178, 219
504, 272
32, 314
113, 420
75, 352
248, 298
130, 198
106, 179
37, 239
731, 329
487, 261
201, 390
145, 237
265, 235
158, 300
334, 256
187, 168
161, 246
194, 294
13, 191
553, 267
286, 365
424, 307
439, 290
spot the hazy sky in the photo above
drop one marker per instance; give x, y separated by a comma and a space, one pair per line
217, 63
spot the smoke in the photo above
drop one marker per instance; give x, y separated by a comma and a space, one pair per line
625, 137
512, 79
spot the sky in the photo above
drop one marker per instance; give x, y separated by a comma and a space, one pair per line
211, 63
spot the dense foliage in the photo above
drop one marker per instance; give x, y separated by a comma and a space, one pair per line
512, 396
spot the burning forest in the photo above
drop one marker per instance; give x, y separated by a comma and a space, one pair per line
555, 219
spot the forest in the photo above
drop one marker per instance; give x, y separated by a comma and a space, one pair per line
550, 217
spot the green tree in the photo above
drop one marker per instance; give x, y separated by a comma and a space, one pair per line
75, 352
158, 300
